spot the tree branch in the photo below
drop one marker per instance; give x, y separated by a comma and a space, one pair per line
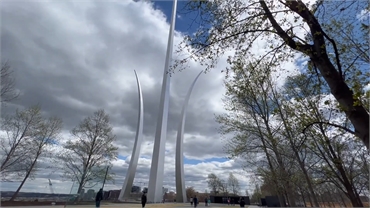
287, 39
330, 124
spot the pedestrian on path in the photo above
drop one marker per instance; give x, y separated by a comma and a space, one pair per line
242, 202
143, 200
195, 201
98, 198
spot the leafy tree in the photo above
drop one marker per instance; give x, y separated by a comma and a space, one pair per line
8, 91
29, 136
86, 155
233, 183
239, 25
250, 119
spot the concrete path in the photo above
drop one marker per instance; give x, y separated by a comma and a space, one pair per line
167, 205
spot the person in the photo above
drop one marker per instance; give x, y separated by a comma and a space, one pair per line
143, 200
195, 200
205, 201
98, 198
191, 201
242, 202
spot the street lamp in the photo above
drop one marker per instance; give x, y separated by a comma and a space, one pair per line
105, 177
106, 156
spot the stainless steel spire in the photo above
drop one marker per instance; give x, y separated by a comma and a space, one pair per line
155, 193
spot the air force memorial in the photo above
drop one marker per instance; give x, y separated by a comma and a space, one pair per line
155, 193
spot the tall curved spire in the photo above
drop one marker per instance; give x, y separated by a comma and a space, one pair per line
130, 175
155, 192
180, 182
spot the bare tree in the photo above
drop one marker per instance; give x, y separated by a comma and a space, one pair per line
233, 183
214, 183
39, 136
190, 192
90, 149
8, 91
14, 145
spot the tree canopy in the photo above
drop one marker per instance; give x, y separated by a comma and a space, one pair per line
328, 34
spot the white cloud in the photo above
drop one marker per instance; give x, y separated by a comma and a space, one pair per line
79, 57
75, 57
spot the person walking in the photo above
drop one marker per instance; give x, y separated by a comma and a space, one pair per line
98, 198
195, 199
143, 200
242, 202
191, 201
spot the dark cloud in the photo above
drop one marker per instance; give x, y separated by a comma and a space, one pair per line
74, 58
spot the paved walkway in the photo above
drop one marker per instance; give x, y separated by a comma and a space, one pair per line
167, 205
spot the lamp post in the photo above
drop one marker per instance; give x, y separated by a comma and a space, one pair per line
70, 192
106, 156
105, 177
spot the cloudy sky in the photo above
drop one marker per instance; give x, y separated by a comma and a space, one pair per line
75, 57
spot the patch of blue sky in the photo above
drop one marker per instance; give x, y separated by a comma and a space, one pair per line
185, 20
145, 157
121, 157
51, 141
194, 161
353, 14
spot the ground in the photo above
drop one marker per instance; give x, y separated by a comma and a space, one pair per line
121, 205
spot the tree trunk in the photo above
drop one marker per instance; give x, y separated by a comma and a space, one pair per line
332, 200
290, 137
24, 179
6, 160
282, 200
80, 186
351, 192
291, 197
342, 199
308, 180
302, 195
310, 200
272, 169
317, 52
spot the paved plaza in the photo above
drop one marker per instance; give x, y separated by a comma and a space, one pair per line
167, 205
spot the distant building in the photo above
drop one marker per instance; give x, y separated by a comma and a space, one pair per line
135, 189
106, 195
90, 195
113, 194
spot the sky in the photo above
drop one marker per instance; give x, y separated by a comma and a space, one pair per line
75, 57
